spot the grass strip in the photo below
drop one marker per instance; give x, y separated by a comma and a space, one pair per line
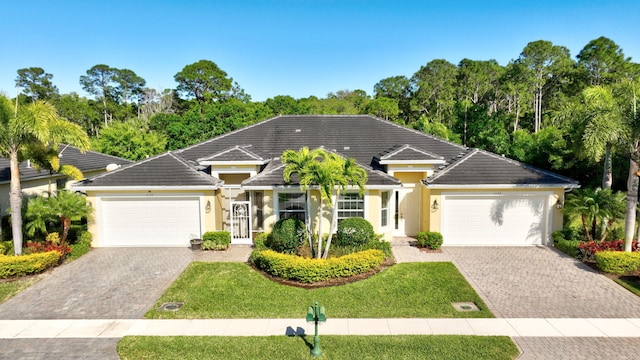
454, 347
234, 290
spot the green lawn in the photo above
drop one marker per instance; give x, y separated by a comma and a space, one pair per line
234, 290
630, 283
453, 347
10, 288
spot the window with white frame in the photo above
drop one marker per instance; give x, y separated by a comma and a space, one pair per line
350, 205
384, 208
257, 202
291, 205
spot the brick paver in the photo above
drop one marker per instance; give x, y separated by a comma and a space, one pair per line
536, 348
106, 283
67, 349
541, 282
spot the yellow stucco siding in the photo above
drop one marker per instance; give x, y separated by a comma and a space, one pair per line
233, 179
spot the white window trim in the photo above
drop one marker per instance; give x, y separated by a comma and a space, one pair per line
276, 201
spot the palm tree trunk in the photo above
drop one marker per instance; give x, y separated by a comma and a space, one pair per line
607, 177
308, 221
15, 201
320, 234
632, 204
334, 224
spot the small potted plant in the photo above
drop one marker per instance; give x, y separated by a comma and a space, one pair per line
196, 243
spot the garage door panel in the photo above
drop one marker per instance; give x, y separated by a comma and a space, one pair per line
150, 221
494, 220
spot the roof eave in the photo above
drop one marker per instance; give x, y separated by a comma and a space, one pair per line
412, 162
155, 187
247, 162
502, 186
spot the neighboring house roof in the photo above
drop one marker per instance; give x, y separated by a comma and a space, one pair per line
69, 155
482, 168
162, 171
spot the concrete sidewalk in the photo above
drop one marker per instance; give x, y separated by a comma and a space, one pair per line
110, 328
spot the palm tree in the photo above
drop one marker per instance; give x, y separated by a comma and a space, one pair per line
63, 206
593, 206
352, 174
35, 124
46, 158
297, 162
605, 127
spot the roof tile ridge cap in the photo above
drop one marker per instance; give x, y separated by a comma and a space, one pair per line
267, 172
419, 132
407, 146
227, 134
130, 165
235, 147
469, 153
529, 167
193, 168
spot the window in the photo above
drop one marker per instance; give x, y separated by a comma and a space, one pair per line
384, 209
291, 205
258, 212
350, 205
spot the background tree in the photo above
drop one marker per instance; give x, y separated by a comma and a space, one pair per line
204, 81
100, 81
129, 140
130, 85
433, 91
36, 124
384, 108
602, 61
543, 60
36, 84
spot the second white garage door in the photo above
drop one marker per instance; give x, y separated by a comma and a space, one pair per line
495, 219
149, 221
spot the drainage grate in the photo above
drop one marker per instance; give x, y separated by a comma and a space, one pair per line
171, 306
465, 306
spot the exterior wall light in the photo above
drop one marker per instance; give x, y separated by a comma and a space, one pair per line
207, 208
435, 205
559, 204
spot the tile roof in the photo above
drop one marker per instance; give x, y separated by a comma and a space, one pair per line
357, 136
478, 167
235, 154
407, 152
69, 155
164, 170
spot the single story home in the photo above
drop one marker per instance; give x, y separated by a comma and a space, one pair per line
36, 182
416, 182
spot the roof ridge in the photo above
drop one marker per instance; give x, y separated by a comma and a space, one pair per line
227, 134
94, 152
409, 146
469, 152
265, 173
418, 132
528, 167
242, 148
192, 167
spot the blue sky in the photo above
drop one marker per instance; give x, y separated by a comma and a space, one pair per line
298, 48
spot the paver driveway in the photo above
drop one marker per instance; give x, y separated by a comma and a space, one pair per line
107, 283
540, 282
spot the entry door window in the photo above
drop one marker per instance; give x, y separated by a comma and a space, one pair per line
291, 205
384, 209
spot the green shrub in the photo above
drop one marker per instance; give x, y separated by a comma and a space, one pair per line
430, 239
11, 266
81, 246
6, 247
307, 270
354, 232
379, 243
216, 240
618, 262
286, 236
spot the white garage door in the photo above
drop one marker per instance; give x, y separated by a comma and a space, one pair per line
509, 219
149, 221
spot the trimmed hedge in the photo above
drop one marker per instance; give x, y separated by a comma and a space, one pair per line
307, 270
618, 262
286, 236
429, 239
11, 266
354, 232
216, 240
82, 245
563, 240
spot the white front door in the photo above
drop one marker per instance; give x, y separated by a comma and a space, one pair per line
407, 210
241, 222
